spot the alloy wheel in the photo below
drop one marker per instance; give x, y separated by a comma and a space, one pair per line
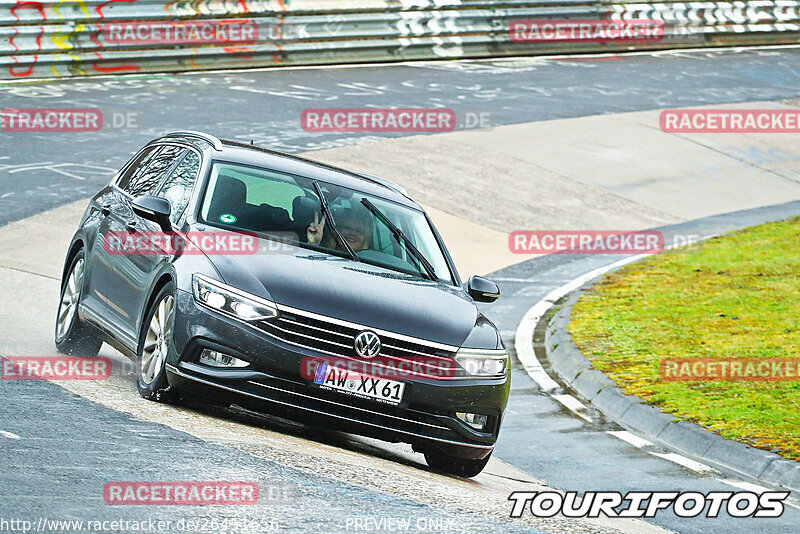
156, 343
69, 300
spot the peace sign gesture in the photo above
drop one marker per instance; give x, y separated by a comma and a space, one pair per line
314, 231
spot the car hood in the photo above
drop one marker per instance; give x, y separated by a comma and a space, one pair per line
355, 292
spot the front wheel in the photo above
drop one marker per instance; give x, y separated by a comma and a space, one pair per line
452, 465
73, 336
155, 344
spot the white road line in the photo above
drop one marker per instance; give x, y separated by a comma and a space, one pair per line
639, 443
11, 169
755, 488
523, 338
9, 435
747, 486
574, 405
633, 439
522, 342
792, 503
697, 467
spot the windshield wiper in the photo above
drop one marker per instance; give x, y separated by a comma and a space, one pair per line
326, 212
402, 238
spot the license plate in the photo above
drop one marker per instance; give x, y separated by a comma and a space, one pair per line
358, 384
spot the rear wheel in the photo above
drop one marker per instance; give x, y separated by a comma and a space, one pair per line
73, 336
155, 344
455, 466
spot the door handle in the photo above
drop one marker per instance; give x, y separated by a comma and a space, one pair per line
105, 209
131, 225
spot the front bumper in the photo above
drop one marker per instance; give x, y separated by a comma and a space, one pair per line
274, 384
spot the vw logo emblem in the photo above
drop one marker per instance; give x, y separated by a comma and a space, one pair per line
367, 344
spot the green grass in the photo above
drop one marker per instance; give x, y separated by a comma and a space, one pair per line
736, 296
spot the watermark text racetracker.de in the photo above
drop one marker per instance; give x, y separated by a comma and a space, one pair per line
585, 242
54, 368
585, 30
391, 120
188, 243
69, 120
181, 493
730, 369
238, 31
597, 242
208, 243
646, 504
730, 121
408, 368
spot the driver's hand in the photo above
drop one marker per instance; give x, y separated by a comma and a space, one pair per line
314, 231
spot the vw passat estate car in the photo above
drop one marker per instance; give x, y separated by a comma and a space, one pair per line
235, 274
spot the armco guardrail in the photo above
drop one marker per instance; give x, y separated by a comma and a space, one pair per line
92, 37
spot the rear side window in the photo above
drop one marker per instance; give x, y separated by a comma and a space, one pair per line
144, 174
177, 188
137, 165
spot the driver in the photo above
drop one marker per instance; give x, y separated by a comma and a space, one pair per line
355, 227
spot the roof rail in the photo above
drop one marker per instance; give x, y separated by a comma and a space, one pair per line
384, 182
216, 143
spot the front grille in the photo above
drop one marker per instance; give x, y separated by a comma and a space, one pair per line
405, 418
337, 339
411, 424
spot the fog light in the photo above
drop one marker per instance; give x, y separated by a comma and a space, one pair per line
476, 421
218, 359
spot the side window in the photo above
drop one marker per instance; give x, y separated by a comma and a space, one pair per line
137, 166
177, 188
144, 175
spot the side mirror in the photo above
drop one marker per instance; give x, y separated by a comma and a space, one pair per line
154, 209
482, 289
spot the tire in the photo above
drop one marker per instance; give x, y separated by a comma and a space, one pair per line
155, 345
455, 466
73, 336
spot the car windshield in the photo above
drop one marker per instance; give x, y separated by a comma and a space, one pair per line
377, 231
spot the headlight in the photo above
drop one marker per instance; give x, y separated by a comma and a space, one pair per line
483, 362
231, 301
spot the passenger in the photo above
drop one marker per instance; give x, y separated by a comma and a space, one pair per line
356, 229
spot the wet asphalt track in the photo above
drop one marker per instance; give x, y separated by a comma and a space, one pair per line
41, 171
56, 472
